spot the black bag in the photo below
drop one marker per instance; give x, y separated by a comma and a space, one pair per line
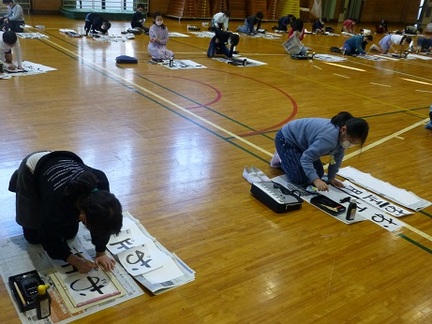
126, 59
276, 197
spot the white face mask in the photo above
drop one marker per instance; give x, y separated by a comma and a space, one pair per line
159, 22
346, 144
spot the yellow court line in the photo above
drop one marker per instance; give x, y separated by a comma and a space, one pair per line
345, 66
416, 81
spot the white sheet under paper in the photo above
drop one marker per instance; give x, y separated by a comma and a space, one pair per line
329, 58
204, 34
18, 256
364, 209
385, 189
175, 34
130, 235
142, 259
168, 272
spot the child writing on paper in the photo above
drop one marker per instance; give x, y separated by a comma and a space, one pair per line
249, 24
159, 36
301, 143
14, 19
388, 42
55, 190
218, 44
9, 43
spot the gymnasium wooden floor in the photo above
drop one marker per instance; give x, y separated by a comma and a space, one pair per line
174, 145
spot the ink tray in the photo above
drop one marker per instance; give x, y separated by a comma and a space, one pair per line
328, 205
24, 289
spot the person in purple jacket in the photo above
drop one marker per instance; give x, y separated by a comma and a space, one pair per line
159, 36
301, 143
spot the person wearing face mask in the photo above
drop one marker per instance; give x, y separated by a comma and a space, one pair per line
9, 42
159, 36
301, 143
14, 19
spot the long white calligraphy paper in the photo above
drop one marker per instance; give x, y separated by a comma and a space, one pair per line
385, 189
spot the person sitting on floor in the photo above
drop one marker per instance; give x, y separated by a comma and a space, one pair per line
138, 19
14, 19
159, 36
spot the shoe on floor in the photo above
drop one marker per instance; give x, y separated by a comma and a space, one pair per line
429, 125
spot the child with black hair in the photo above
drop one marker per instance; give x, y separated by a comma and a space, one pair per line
381, 27
138, 19
389, 41
356, 45
9, 43
348, 25
159, 36
218, 43
429, 124
14, 19
284, 23
318, 26
301, 143
54, 192
220, 20
249, 24
96, 24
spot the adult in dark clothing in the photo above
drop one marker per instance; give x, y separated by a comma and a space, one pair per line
54, 192
96, 23
250, 22
138, 18
218, 43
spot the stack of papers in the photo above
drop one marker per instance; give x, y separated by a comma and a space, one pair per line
146, 259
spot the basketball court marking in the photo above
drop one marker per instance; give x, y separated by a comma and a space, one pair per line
227, 132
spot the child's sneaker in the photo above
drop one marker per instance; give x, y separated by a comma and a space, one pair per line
429, 125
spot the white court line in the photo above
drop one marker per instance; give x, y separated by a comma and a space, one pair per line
345, 66
317, 67
424, 91
342, 76
385, 139
380, 84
